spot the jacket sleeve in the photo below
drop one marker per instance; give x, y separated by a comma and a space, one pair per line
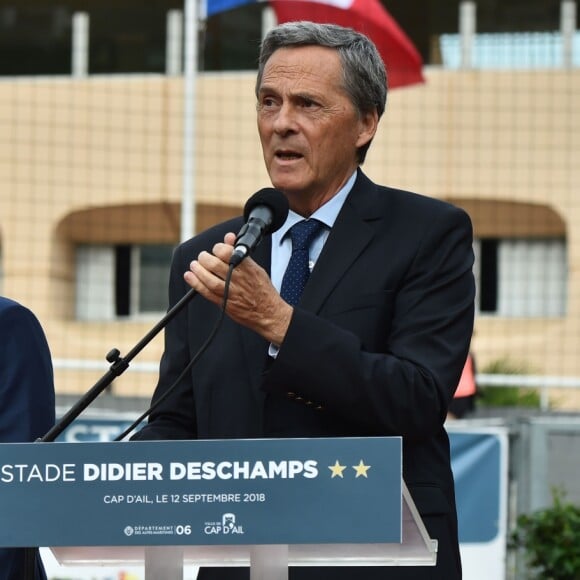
27, 400
403, 385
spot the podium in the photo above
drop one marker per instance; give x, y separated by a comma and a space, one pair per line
264, 503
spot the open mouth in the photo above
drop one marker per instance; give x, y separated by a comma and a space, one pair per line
286, 155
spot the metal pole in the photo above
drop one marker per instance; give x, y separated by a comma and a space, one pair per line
174, 43
269, 562
467, 27
268, 20
544, 398
189, 78
164, 562
568, 30
80, 44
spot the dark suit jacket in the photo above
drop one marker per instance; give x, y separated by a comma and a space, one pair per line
26, 398
375, 348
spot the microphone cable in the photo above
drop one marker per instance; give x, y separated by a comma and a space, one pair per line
190, 364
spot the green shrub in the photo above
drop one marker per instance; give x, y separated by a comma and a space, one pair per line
507, 396
550, 539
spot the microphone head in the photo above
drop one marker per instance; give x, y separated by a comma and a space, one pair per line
273, 199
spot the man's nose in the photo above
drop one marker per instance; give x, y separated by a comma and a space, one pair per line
285, 120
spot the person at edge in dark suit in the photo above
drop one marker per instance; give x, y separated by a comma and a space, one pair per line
26, 399
377, 342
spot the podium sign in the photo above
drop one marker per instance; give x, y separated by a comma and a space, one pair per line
217, 492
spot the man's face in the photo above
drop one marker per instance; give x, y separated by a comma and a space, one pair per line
308, 127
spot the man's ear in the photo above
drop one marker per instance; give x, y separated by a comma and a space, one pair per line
368, 124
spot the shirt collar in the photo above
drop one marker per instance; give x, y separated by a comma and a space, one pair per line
326, 213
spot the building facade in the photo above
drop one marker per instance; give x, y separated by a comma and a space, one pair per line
92, 182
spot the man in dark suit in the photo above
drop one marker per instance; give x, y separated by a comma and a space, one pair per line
378, 339
26, 399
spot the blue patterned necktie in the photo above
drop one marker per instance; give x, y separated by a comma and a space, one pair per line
298, 269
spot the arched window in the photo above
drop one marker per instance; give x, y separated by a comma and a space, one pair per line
521, 264
121, 256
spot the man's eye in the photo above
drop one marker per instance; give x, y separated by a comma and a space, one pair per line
268, 102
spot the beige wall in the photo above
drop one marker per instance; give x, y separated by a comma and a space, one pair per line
100, 159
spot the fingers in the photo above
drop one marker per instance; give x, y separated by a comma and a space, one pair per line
217, 262
208, 272
223, 251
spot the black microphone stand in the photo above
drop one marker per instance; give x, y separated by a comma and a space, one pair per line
118, 366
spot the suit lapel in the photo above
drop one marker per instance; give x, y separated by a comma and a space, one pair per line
348, 238
350, 235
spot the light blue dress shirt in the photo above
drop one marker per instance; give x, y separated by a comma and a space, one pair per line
282, 244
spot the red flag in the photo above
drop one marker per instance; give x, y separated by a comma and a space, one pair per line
402, 60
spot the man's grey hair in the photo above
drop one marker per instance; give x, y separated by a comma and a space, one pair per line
364, 75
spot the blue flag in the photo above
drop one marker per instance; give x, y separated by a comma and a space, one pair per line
216, 6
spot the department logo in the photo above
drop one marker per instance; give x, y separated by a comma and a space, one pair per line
129, 530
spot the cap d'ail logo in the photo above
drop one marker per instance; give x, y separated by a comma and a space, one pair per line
227, 525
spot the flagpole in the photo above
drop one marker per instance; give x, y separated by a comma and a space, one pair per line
268, 20
188, 208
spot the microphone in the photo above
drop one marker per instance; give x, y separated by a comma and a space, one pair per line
264, 212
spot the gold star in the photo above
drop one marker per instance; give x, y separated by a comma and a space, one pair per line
337, 469
361, 469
